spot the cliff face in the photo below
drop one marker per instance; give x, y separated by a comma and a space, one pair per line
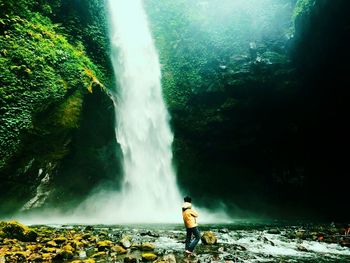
50, 89
257, 110
321, 55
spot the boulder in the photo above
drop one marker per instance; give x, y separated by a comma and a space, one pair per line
15, 230
119, 249
302, 248
99, 254
126, 241
300, 233
104, 245
60, 240
63, 254
148, 257
273, 231
209, 238
51, 243
147, 247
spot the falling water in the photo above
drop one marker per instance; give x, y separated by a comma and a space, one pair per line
149, 191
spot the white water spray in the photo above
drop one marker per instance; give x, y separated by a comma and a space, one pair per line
149, 191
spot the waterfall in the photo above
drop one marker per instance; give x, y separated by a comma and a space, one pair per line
149, 191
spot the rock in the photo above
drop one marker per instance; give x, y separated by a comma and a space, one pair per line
274, 231
15, 230
104, 245
267, 241
103, 233
230, 258
119, 249
345, 243
239, 247
167, 259
49, 250
148, 233
60, 240
209, 238
126, 241
147, 247
82, 254
89, 260
47, 256
89, 228
302, 248
30, 236
135, 246
130, 259
68, 247
63, 255
51, 243
300, 233
224, 230
15, 257
99, 254
86, 236
32, 247
148, 257
35, 257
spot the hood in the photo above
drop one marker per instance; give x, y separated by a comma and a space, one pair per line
186, 205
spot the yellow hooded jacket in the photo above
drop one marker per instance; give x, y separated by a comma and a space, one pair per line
189, 215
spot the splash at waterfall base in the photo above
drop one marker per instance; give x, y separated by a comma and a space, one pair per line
240, 242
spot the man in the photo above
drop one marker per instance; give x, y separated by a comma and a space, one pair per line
190, 219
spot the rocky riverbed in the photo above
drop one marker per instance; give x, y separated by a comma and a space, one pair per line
165, 243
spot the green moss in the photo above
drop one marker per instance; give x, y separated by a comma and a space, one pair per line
39, 72
68, 113
13, 229
302, 7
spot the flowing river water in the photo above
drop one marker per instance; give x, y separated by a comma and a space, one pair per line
243, 241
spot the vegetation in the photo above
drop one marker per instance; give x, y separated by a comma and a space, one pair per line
39, 70
46, 73
302, 7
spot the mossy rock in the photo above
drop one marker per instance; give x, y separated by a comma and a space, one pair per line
104, 245
119, 249
149, 257
99, 254
147, 246
60, 240
63, 254
51, 243
89, 260
209, 238
18, 231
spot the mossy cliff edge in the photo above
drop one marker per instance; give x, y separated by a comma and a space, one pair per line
45, 82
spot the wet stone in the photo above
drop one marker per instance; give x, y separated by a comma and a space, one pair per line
130, 259
273, 231
224, 230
